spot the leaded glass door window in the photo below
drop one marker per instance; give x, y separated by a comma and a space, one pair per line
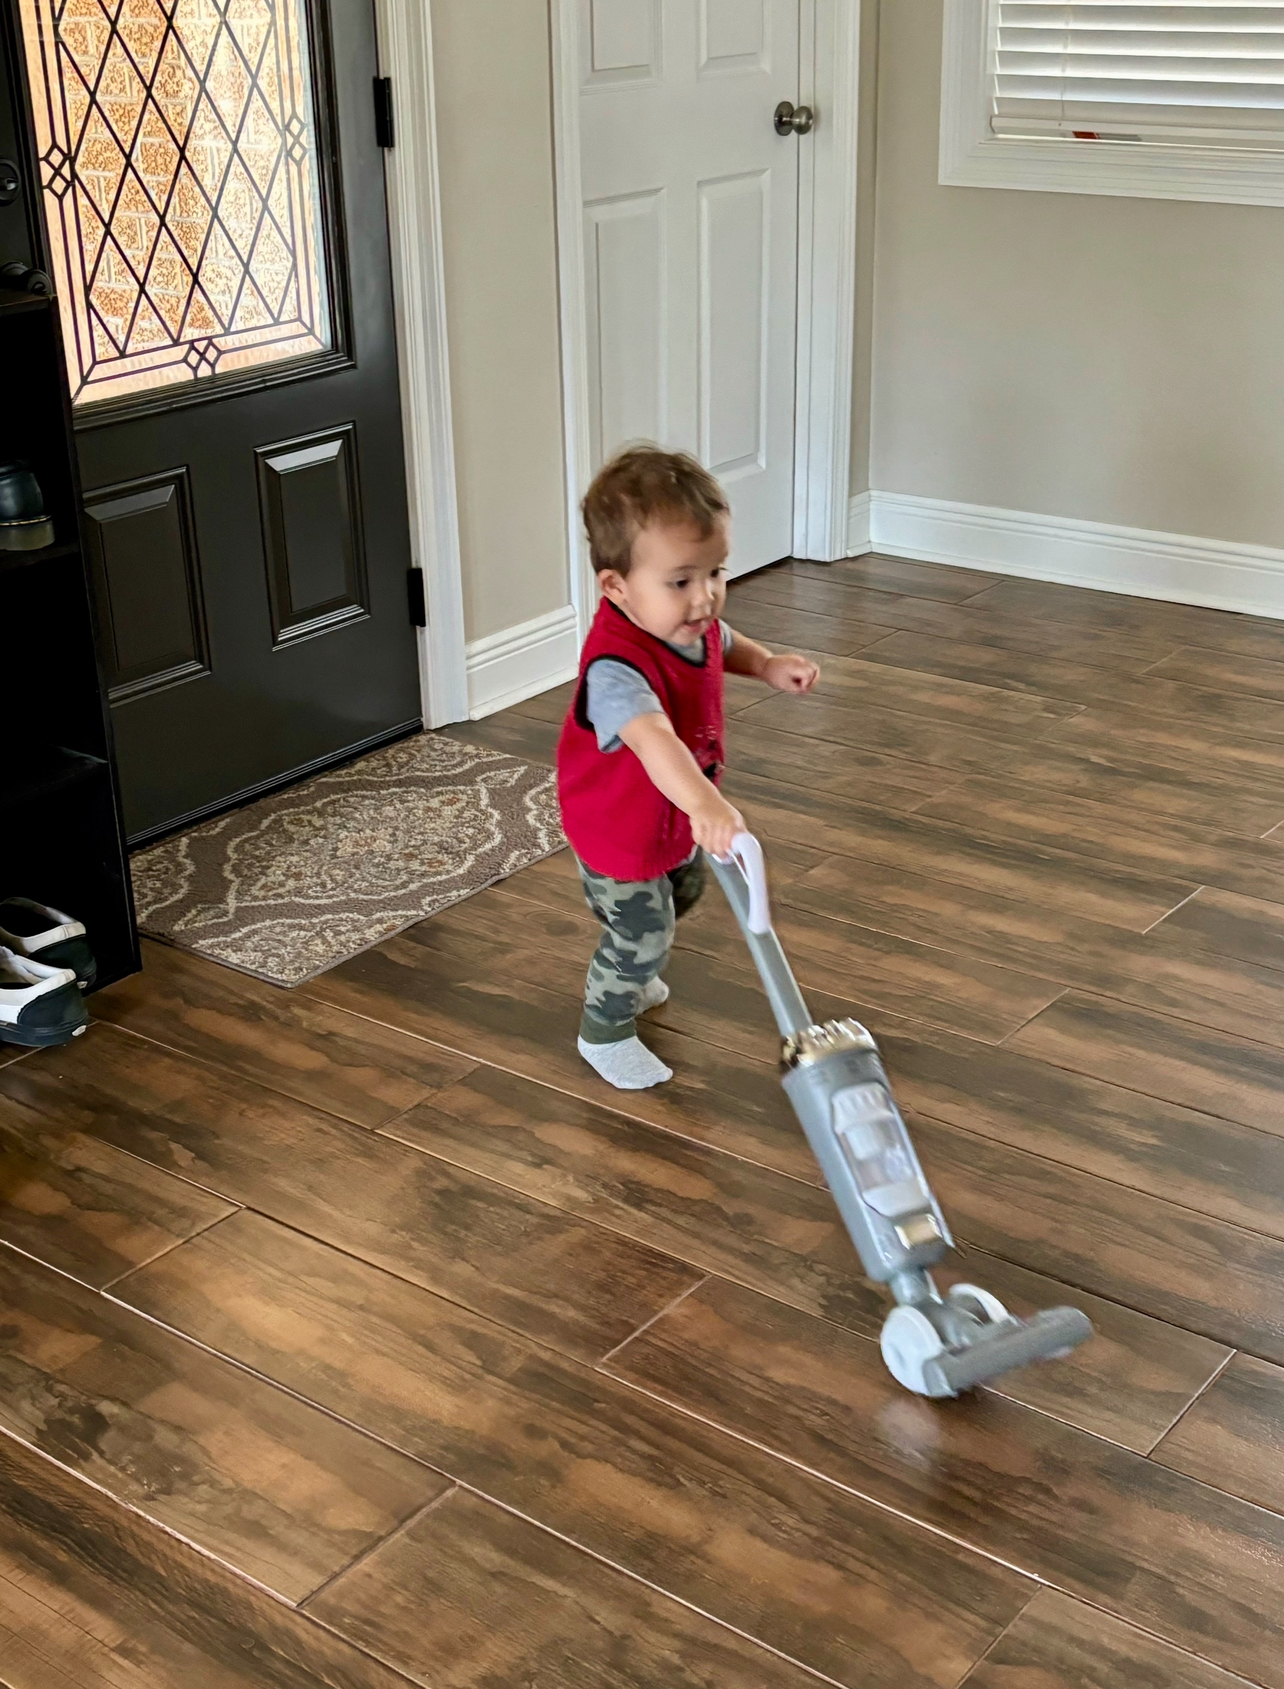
178, 144
216, 197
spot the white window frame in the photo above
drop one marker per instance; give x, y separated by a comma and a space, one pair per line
972, 156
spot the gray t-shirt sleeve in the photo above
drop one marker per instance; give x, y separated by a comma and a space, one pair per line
614, 695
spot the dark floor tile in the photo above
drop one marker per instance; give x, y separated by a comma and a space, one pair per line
363, 1072
278, 1489
471, 1597
93, 1596
1094, 1520
516, 1260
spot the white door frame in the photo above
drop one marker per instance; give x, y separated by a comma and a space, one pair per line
829, 74
419, 288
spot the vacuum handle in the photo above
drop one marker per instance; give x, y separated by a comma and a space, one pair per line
746, 853
743, 876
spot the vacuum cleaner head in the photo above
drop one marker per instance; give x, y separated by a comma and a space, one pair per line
941, 1348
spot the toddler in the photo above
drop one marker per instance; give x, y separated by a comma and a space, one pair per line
640, 755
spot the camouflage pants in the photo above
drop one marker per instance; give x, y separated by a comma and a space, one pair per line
638, 918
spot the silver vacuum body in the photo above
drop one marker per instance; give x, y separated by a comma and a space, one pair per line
933, 1344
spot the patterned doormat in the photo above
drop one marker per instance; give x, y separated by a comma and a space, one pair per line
293, 884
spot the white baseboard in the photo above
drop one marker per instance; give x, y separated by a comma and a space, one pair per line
509, 667
1140, 562
858, 516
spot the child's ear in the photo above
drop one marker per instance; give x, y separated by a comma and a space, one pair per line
611, 582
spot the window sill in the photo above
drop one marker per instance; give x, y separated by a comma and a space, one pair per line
1117, 168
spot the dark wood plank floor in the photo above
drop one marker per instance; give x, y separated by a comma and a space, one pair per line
359, 1336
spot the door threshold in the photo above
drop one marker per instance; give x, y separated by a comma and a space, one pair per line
278, 783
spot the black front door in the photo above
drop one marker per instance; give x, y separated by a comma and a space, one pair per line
218, 237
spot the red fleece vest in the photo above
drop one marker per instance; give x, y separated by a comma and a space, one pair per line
616, 820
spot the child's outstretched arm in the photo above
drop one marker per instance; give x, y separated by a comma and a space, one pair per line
787, 672
671, 767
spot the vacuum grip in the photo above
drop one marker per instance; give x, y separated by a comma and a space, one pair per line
746, 853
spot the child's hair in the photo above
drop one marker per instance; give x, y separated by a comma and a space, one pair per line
641, 485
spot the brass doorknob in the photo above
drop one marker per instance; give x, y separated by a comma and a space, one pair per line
794, 120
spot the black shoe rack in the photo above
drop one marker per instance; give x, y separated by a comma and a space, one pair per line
61, 836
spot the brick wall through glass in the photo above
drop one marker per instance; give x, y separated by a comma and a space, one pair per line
178, 160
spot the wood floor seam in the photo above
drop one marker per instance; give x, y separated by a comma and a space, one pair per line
1075, 998
998, 1640
374, 1548
1203, 1390
1089, 689
1021, 636
659, 1315
1172, 911
1003, 1041
617, 1231
931, 797
111, 1283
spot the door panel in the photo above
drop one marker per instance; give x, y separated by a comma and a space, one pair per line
690, 230
310, 509
626, 317
735, 326
258, 617
147, 580
733, 36
620, 41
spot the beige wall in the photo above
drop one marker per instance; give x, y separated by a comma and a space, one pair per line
1117, 360
494, 132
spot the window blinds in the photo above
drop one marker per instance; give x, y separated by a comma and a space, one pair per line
1208, 75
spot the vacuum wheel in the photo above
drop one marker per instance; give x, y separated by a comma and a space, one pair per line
908, 1342
977, 1302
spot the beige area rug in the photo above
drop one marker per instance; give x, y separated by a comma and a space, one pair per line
293, 884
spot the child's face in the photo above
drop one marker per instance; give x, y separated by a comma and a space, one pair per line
677, 582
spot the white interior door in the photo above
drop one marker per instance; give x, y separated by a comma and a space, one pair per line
690, 241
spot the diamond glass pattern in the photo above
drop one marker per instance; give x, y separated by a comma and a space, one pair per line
178, 158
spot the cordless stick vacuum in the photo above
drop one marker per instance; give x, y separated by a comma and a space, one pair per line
934, 1345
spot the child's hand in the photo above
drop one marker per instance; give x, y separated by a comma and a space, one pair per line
715, 823
790, 672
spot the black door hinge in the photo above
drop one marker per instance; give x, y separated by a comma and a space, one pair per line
383, 111
415, 593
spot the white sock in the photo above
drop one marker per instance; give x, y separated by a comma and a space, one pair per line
628, 1064
653, 995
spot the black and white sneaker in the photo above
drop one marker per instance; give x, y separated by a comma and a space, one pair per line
25, 524
38, 1005
42, 934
